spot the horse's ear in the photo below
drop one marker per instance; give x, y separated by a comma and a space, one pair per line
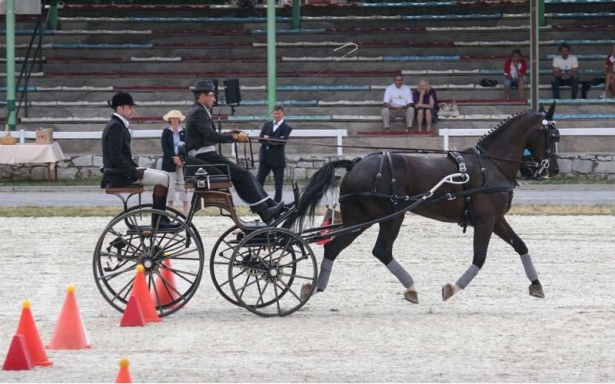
542, 109
551, 111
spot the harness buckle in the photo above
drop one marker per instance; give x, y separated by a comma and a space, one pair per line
450, 196
462, 167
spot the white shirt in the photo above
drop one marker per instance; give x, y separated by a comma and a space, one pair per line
611, 61
126, 123
567, 65
277, 125
514, 70
176, 140
398, 97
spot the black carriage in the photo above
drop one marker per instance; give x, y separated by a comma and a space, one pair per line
271, 269
263, 268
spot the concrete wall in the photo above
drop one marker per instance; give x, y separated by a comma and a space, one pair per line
87, 167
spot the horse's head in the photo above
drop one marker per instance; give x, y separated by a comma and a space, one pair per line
542, 144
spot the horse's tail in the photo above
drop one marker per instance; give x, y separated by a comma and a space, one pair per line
319, 184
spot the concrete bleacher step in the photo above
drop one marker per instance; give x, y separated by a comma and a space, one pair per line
156, 53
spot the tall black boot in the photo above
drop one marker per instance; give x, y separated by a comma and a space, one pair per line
159, 201
266, 213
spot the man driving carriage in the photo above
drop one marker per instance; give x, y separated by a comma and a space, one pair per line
120, 169
201, 141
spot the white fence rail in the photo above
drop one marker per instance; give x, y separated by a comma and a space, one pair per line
156, 133
447, 132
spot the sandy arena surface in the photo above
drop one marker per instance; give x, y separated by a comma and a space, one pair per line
359, 330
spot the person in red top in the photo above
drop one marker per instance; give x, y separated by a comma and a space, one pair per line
609, 73
515, 69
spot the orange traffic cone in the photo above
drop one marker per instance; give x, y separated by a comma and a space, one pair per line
140, 290
27, 328
18, 357
69, 332
133, 316
123, 375
165, 290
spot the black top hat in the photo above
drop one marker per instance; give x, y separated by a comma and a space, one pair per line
121, 98
203, 86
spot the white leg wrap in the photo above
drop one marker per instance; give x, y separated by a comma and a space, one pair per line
467, 277
530, 271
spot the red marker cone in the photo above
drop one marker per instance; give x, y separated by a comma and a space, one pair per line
140, 290
69, 332
165, 291
133, 316
18, 357
27, 328
123, 375
325, 223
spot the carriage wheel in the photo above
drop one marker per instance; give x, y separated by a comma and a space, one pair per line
265, 265
170, 210
220, 260
173, 262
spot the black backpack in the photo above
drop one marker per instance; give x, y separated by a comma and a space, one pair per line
488, 83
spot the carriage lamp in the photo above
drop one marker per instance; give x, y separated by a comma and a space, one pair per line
201, 178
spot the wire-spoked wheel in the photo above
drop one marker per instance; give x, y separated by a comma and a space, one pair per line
173, 259
220, 260
268, 269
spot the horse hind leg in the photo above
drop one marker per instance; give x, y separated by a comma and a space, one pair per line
503, 230
332, 250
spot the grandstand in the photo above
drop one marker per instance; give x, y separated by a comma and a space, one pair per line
157, 52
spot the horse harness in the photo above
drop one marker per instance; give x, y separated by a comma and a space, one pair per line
551, 135
466, 217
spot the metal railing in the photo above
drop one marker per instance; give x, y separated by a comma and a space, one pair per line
33, 55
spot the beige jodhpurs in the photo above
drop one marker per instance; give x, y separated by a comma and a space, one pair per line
407, 114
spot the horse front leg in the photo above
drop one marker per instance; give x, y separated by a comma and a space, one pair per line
506, 233
383, 250
482, 235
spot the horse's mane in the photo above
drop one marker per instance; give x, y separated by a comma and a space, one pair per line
503, 123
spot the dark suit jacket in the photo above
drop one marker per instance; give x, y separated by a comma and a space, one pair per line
272, 153
168, 148
117, 154
200, 130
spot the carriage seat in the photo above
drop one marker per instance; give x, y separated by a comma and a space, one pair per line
199, 174
201, 180
132, 189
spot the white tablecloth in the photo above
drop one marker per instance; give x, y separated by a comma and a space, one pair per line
31, 153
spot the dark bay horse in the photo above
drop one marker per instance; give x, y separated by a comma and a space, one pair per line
472, 187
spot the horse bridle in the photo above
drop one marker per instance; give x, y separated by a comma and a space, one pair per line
551, 136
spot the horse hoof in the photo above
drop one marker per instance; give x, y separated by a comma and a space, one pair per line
536, 291
411, 296
306, 290
448, 291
